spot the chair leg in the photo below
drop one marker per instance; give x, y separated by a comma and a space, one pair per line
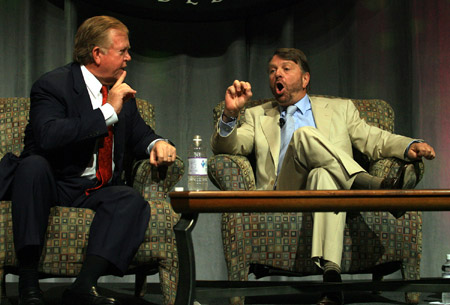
3, 297
412, 297
377, 277
411, 265
186, 270
411, 272
237, 301
238, 275
140, 285
168, 277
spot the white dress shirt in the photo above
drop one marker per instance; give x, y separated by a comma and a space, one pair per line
94, 89
94, 86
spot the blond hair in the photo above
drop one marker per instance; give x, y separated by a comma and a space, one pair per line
94, 32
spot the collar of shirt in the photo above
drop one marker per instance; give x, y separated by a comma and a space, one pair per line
94, 86
303, 106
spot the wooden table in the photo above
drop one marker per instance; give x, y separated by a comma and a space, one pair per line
190, 204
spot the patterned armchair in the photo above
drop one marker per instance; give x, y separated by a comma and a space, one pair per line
68, 228
280, 243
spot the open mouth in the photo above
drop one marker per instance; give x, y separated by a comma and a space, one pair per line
279, 88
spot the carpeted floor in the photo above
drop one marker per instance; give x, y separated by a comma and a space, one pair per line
125, 293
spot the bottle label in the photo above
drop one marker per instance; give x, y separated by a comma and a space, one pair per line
198, 166
446, 268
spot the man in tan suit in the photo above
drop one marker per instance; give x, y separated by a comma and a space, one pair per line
316, 153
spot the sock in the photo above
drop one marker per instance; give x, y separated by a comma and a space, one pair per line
28, 264
93, 267
331, 272
365, 181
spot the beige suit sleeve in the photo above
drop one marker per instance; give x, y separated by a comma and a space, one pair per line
373, 141
240, 141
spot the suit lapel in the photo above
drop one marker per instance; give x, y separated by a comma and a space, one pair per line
268, 125
83, 104
322, 115
119, 136
80, 93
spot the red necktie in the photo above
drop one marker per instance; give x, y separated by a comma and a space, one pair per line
104, 160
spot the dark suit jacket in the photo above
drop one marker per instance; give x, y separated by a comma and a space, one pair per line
64, 128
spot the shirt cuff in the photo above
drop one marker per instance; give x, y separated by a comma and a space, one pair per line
226, 128
109, 114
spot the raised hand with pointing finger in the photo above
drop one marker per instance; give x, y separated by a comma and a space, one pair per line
120, 93
236, 96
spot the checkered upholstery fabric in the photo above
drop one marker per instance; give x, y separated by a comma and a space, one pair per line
68, 228
373, 242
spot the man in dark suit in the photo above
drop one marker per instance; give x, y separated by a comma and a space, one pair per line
75, 110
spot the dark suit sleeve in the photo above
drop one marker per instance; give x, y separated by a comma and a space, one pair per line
61, 118
138, 134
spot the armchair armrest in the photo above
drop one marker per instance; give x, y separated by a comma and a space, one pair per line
388, 167
155, 183
231, 172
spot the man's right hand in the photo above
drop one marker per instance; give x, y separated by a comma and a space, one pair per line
236, 96
120, 93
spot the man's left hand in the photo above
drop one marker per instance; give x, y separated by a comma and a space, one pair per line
162, 153
419, 150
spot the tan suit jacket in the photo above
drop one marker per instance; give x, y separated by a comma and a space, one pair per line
338, 120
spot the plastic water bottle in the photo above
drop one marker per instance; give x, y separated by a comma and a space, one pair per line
198, 167
446, 275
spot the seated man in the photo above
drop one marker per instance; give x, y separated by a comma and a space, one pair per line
83, 117
303, 142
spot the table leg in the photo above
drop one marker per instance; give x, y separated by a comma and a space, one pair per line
186, 259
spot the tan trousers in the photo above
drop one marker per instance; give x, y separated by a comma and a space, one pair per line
313, 163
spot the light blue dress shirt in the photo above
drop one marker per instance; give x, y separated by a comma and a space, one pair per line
303, 116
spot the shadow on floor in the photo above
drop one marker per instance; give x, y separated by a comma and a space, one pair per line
124, 292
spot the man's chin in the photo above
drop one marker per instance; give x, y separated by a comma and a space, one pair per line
109, 82
118, 74
112, 80
282, 101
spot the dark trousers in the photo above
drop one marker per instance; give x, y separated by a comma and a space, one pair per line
118, 227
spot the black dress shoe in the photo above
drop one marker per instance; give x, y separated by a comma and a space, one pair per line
31, 296
331, 297
332, 276
92, 297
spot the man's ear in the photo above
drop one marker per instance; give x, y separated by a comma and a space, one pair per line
96, 55
305, 79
